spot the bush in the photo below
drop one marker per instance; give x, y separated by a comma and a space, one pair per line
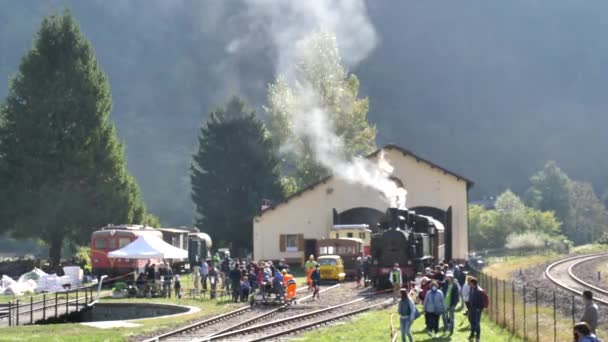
82, 257
119, 286
530, 241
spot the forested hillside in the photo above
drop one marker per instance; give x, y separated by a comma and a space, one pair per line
489, 89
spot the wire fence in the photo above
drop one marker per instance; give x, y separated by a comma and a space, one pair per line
532, 313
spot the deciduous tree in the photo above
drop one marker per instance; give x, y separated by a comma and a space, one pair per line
551, 190
319, 71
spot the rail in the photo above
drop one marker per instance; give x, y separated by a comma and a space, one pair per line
234, 313
320, 322
586, 258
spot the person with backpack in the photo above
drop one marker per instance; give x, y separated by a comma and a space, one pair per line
434, 306
407, 314
478, 300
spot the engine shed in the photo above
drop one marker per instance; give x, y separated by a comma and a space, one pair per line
290, 229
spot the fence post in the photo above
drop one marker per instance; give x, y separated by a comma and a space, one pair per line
496, 295
504, 303
10, 313
77, 307
513, 304
56, 302
536, 299
17, 314
31, 310
524, 312
86, 296
573, 309
67, 301
43, 306
554, 318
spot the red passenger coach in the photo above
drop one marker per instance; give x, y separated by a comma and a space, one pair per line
110, 238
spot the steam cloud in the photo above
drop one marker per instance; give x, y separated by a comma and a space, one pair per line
290, 25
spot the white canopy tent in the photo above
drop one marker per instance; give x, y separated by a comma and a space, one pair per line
149, 247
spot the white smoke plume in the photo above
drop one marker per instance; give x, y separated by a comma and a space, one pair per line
290, 25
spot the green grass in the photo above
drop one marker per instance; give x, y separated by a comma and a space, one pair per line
79, 332
503, 267
375, 326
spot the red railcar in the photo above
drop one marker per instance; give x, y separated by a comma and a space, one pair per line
110, 238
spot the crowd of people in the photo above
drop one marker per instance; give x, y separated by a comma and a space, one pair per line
158, 279
240, 277
446, 288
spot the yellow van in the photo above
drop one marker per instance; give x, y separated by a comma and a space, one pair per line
331, 267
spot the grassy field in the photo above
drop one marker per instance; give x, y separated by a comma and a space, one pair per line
79, 332
375, 326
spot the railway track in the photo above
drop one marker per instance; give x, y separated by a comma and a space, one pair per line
298, 323
560, 273
237, 319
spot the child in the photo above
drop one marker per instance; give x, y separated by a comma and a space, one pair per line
245, 289
316, 279
178, 287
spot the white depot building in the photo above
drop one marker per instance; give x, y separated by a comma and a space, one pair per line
290, 229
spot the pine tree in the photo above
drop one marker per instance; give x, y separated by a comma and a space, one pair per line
62, 168
232, 171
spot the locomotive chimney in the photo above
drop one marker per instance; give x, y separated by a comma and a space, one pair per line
393, 218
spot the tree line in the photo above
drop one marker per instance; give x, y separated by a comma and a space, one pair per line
555, 211
63, 171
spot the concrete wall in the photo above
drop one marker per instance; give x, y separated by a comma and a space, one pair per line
310, 213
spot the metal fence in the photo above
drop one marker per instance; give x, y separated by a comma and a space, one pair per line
533, 313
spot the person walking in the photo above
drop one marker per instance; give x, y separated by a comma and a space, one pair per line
476, 305
434, 307
450, 288
582, 333
407, 315
591, 314
309, 267
316, 282
396, 279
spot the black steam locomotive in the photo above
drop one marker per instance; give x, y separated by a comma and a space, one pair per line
413, 241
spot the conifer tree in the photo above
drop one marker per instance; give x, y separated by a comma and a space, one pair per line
232, 171
62, 167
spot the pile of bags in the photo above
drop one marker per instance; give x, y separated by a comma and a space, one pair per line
38, 281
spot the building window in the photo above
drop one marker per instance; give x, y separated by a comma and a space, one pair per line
123, 242
362, 236
350, 235
100, 243
337, 235
291, 243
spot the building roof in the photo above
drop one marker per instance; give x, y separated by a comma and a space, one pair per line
403, 151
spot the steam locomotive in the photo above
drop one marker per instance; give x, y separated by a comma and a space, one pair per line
404, 237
